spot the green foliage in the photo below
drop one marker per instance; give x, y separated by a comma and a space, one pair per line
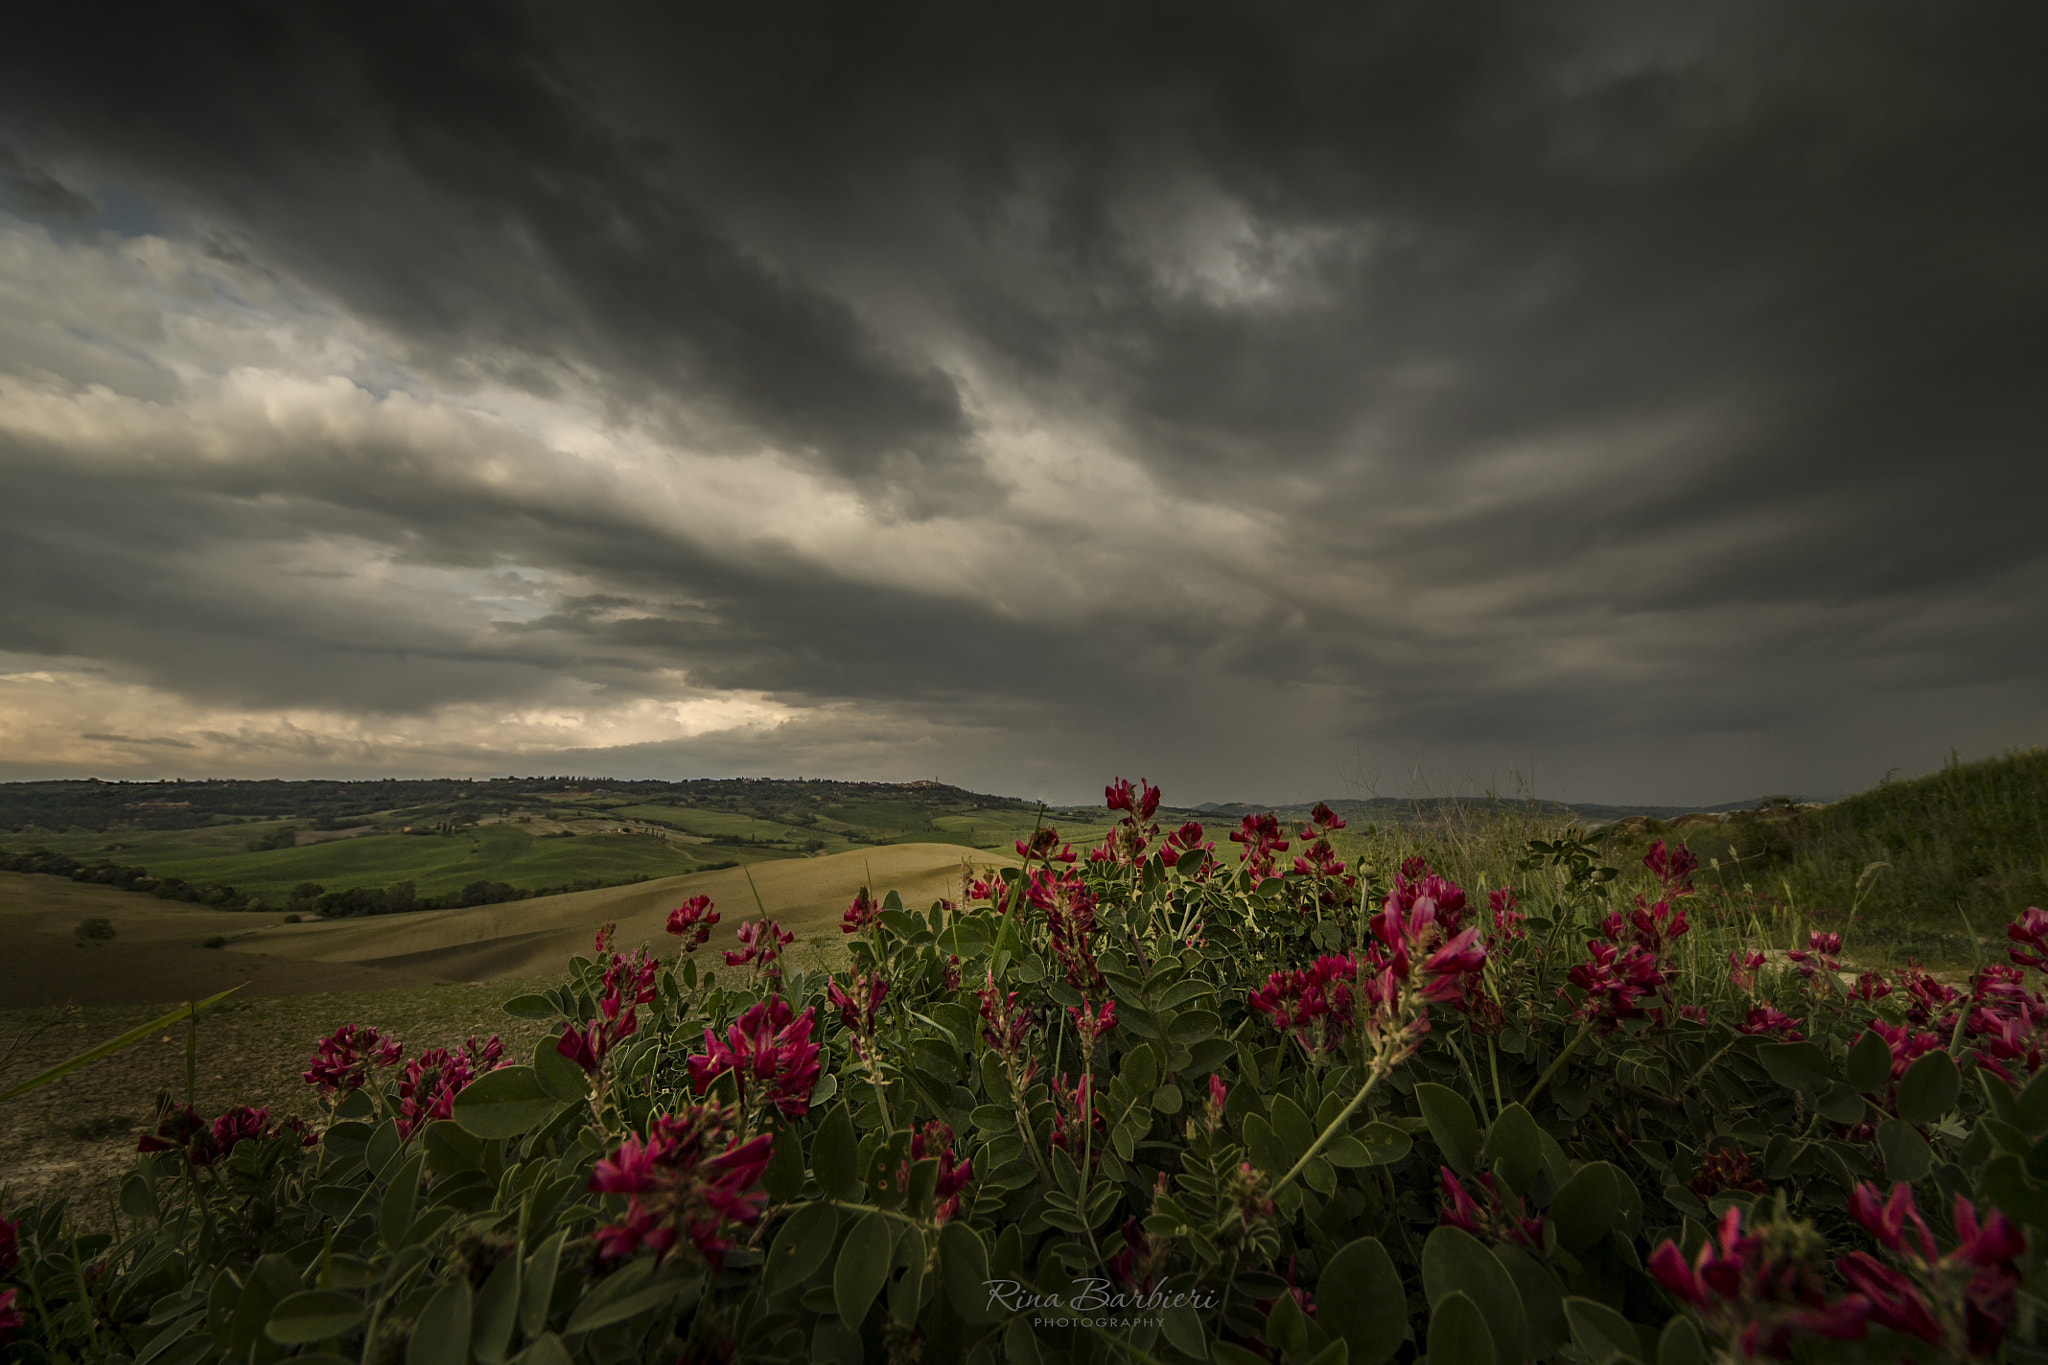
1306, 1136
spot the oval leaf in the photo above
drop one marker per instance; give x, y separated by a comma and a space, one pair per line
863, 1266
1929, 1089
1452, 1124
1458, 1333
1360, 1299
1456, 1262
312, 1315
504, 1103
441, 1336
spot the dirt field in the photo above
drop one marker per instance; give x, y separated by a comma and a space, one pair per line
429, 978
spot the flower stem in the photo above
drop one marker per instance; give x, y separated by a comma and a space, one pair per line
1556, 1062
1380, 1068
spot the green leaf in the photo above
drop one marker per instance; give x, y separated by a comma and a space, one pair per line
1291, 1127
271, 1280
134, 1035
963, 1270
801, 1245
1680, 1344
1456, 1262
862, 1267
441, 1336
395, 1213
504, 1103
1797, 1066
626, 1294
1587, 1208
1191, 1026
784, 1178
835, 1155
537, 1284
312, 1315
1907, 1156
1929, 1089
1603, 1334
1167, 1099
1515, 1145
547, 1350
1452, 1124
1360, 1298
2030, 1108
531, 1007
1384, 1143
497, 1313
1870, 1063
1542, 1299
557, 1075
1458, 1334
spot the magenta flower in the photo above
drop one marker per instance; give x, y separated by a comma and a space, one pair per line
935, 1140
857, 1007
1142, 803
1657, 926
1930, 997
10, 1316
1765, 1021
1507, 920
1416, 904
1672, 866
1041, 846
432, 1080
860, 916
761, 942
1494, 1219
1759, 1290
690, 1176
1093, 1026
342, 1060
1069, 908
692, 921
769, 1053
1074, 1113
1261, 837
1906, 1045
2030, 930
1870, 986
1961, 1300
1004, 1022
1613, 980
1742, 966
1821, 954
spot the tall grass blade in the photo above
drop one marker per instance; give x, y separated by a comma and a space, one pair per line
113, 1045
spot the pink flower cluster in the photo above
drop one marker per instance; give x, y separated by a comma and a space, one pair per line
1612, 980
1959, 1299
1004, 1022
432, 1080
770, 1054
1760, 1289
1263, 843
690, 1176
858, 1006
342, 1060
1493, 1219
861, 916
1069, 908
180, 1129
1507, 920
1074, 1114
628, 984
935, 1141
1823, 954
1768, 1022
692, 922
1042, 845
761, 943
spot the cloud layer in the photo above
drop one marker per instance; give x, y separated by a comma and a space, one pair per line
1258, 400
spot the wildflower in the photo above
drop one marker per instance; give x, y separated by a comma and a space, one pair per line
761, 942
952, 971
1930, 997
691, 1175
1657, 926
1247, 1190
1507, 920
1212, 1108
1004, 1022
1414, 903
1185, 840
1673, 866
1092, 1026
1069, 908
935, 1141
1727, 1169
1492, 1219
1142, 804
857, 1007
1074, 1115
342, 1060
1612, 980
1870, 986
1742, 966
1041, 845
1961, 1300
766, 1050
1761, 1289
1134, 1261
10, 1246
1449, 967
1260, 835
2031, 931
1769, 1022
691, 921
180, 1129
1325, 819
860, 916
10, 1316
1414, 866
432, 1080
1822, 954
603, 942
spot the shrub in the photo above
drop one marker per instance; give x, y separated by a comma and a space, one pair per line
94, 930
217, 941
1147, 1100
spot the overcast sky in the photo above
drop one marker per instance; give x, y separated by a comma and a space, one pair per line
1276, 403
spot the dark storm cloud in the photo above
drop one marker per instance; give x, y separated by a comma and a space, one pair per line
1554, 375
